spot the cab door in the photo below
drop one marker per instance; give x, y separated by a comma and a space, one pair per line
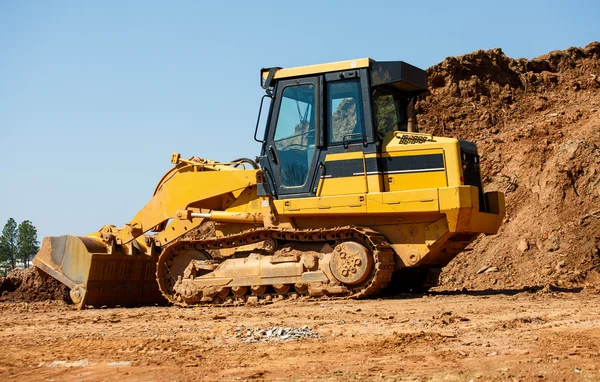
289, 151
349, 143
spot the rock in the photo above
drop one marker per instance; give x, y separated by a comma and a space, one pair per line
539, 243
274, 333
549, 245
540, 104
80, 363
491, 269
553, 243
523, 246
120, 363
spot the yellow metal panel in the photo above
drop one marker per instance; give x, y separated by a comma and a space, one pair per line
485, 223
354, 184
413, 242
461, 206
457, 204
453, 162
424, 150
403, 201
374, 183
338, 205
182, 190
457, 197
415, 180
320, 68
342, 186
448, 146
247, 201
490, 222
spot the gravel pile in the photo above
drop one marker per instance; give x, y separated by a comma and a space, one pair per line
274, 333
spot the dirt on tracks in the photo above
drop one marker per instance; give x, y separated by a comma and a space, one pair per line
481, 336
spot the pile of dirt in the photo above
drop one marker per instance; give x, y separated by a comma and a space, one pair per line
537, 126
31, 284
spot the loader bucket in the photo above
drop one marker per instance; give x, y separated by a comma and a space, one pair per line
97, 275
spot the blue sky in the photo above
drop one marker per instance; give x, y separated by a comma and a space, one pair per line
94, 97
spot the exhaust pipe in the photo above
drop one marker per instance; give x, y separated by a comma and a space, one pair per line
412, 118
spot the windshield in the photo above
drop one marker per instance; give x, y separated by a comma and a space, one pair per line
390, 111
294, 136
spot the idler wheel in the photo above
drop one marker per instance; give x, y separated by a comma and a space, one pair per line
258, 290
222, 292
281, 288
239, 291
351, 263
301, 288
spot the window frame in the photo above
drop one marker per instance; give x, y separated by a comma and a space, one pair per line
397, 95
311, 120
269, 158
368, 125
329, 110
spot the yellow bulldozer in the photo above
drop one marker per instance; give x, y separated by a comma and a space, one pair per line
345, 198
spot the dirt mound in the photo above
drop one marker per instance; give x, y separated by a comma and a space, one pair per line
537, 126
31, 284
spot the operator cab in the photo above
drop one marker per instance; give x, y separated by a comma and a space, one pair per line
324, 119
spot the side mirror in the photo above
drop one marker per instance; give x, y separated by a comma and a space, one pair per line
260, 109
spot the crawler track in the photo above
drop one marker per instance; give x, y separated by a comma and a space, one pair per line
378, 246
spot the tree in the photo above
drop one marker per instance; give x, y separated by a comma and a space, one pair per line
27, 243
8, 243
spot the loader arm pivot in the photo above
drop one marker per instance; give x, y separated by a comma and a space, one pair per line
185, 191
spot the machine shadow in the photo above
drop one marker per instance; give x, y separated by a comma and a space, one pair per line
391, 294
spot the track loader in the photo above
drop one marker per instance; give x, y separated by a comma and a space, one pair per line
345, 198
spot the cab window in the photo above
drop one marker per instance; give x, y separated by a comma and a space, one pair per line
344, 116
294, 136
390, 112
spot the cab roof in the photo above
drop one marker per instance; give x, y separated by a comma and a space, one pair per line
397, 74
